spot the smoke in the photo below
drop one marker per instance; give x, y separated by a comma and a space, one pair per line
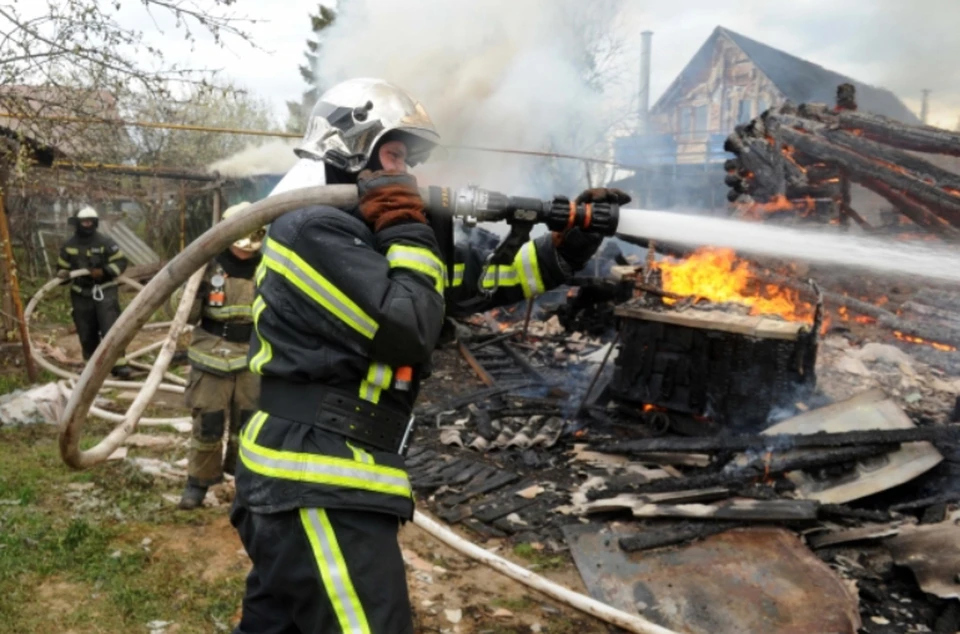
497, 73
273, 157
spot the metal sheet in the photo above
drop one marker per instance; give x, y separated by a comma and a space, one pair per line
869, 410
744, 580
932, 552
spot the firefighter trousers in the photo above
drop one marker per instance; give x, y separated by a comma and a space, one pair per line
218, 403
323, 571
94, 319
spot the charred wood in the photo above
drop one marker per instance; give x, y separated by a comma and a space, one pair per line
748, 474
674, 534
916, 211
787, 442
741, 510
916, 138
475, 365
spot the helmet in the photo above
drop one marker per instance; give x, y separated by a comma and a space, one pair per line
87, 212
252, 242
353, 116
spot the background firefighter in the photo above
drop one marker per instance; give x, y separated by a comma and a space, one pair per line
349, 308
222, 392
94, 298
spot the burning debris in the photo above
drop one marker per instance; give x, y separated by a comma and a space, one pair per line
684, 406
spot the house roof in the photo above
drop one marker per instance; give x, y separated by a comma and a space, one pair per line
799, 80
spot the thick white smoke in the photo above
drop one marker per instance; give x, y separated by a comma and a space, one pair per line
272, 157
496, 73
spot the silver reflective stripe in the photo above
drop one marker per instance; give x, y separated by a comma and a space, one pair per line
369, 392
341, 592
502, 275
308, 278
381, 375
401, 254
527, 256
298, 469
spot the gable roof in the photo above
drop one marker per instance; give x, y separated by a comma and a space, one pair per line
799, 80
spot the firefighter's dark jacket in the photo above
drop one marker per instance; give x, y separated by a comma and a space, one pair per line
341, 308
96, 251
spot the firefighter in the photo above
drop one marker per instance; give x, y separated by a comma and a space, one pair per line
222, 392
349, 308
94, 297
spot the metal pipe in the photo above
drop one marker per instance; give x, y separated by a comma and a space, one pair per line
135, 170
646, 46
13, 284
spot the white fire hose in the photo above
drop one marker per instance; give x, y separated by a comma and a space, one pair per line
190, 262
179, 423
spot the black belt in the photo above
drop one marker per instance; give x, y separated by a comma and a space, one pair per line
335, 411
234, 331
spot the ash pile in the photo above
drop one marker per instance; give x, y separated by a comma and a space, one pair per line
712, 463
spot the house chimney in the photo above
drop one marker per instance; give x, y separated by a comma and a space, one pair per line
924, 105
645, 41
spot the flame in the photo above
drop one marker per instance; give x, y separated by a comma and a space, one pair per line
844, 315
933, 344
717, 275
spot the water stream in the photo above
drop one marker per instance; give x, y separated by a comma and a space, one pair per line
931, 260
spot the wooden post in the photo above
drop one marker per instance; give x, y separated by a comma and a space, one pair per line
10, 274
217, 204
183, 216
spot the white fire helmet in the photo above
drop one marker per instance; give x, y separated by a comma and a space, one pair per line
351, 118
252, 242
87, 213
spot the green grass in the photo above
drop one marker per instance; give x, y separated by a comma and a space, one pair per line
85, 530
537, 559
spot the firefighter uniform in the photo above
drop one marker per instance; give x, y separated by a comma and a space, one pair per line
321, 484
222, 392
95, 303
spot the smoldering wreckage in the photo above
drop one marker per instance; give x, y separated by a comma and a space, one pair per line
720, 444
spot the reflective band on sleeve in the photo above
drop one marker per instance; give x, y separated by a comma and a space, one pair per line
72, 250
114, 269
333, 570
116, 256
265, 353
526, 263
420, 260
378, 379
319, 469
63, 264
291, 266
501, 275
261, 271
458, 270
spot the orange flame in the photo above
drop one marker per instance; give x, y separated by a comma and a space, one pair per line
933, 344
717, 275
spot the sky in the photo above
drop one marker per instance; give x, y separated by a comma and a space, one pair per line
903, 46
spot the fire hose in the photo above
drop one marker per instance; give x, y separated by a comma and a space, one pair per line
180, 423
189, 263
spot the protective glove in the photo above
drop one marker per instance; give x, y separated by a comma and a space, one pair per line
388, 199
96, 274
575, 246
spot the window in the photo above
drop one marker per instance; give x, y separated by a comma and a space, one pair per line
700, 119
743, 112
762, 105
686, 122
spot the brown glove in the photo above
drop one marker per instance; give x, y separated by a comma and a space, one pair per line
96, 274
389, 198
63, 274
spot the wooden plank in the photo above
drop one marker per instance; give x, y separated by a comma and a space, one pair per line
742, 510
750, 325
854, 535
501, 479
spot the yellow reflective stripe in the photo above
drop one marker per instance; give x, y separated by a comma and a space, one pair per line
378, 378
63, 264
526, 263
333, 570
72, 250
217, 363
266, 350
501, 275
420, 260
253, 426
458, 270
324, 470
261, 271
360, 455
292, 267
114, 269
223, 312
116, 256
